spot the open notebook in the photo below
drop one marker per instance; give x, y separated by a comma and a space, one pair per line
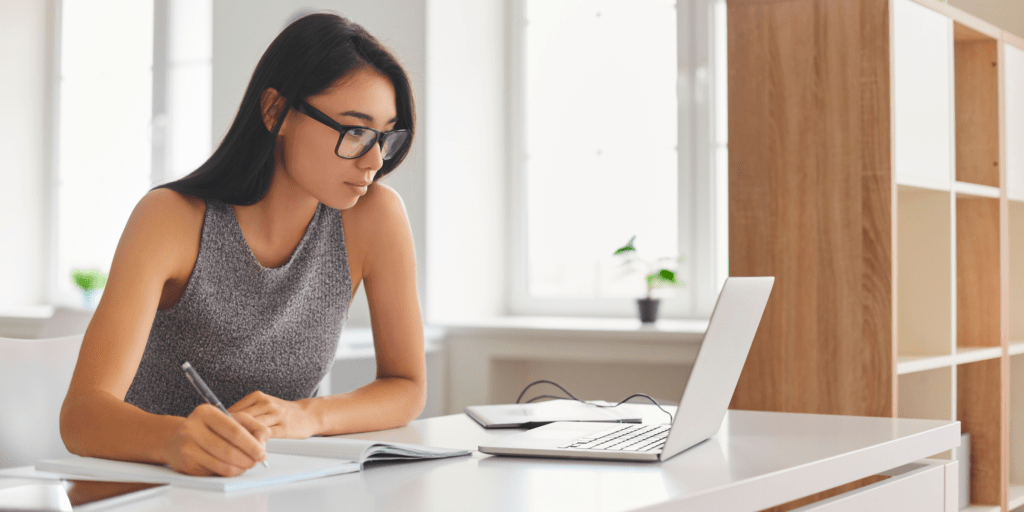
290, 460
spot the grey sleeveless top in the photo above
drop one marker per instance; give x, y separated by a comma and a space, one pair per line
245, 327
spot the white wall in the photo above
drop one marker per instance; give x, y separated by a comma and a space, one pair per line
242, 30
26, 55
466, 255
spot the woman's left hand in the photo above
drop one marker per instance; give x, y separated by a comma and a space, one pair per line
285, 419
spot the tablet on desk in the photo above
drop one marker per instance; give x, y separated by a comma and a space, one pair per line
532, 415
68, 494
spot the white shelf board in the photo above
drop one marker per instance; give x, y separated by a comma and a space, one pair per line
973, 189
921, 182
982, 508
910, 363
1016, 495
1012, 198
973, 354
1016, 347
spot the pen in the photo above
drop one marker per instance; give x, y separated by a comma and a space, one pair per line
204, 390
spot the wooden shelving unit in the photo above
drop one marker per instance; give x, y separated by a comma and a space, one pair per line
877, 171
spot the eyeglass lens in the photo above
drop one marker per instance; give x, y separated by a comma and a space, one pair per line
356, 142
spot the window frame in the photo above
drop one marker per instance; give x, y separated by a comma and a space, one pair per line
702, 184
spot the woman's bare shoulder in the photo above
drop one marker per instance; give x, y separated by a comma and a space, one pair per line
166, 222
380, 204
172, 204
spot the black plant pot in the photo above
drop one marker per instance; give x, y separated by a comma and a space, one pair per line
648, 310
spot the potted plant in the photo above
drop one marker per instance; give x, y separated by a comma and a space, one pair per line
659, 273
91, 282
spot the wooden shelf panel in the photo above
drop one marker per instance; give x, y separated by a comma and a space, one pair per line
976, 90
1016, 291
1016, 448
979, 409
977, 272
924, 271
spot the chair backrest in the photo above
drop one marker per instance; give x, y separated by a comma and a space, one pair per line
65, 322
34, 377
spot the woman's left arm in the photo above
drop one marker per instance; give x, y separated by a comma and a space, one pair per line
399, 392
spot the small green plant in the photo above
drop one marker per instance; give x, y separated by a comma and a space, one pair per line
89, 280
659, 272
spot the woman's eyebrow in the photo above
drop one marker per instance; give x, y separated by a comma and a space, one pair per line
365, 117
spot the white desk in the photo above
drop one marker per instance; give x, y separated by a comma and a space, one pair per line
757, 460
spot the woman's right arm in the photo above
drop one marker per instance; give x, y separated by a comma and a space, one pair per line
95, 420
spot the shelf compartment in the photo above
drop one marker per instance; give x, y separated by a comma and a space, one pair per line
977, 272
922, 46
926, 395
1016, 292
924, 268
976, 100
979, 401
1016, 495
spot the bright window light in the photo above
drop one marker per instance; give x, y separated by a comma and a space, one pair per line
601, 161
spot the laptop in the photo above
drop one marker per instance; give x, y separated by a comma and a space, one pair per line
706, 396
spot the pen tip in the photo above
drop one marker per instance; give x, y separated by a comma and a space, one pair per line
185, 366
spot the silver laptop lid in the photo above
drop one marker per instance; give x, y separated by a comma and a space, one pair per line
719, 362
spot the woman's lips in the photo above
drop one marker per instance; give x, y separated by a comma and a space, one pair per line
360, 188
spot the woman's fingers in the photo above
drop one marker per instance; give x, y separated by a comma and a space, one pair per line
258, 430
231, 442
208, 464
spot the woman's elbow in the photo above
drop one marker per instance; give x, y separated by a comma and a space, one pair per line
71, 427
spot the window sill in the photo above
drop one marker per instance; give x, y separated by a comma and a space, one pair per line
580, 328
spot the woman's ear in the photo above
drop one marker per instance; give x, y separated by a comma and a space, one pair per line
271, 104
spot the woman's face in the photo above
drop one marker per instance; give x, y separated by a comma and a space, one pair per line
306, 146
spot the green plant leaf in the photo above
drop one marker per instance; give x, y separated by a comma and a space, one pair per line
89, 279
626, 248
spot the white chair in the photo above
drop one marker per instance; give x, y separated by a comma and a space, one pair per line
65, 322
34, 377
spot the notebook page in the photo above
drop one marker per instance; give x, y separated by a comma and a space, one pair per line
283, 468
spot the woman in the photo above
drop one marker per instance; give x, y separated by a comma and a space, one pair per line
246, 268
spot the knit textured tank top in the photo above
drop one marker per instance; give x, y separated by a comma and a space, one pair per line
244, 327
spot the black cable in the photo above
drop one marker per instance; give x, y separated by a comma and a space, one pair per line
571, 397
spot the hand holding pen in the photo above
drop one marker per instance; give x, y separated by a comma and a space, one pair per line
212, 399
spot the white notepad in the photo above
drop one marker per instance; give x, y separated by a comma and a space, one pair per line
359, 450
283, 468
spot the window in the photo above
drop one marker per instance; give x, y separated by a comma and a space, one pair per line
620, 133
133, 110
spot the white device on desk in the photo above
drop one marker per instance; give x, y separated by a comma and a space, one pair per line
706, 397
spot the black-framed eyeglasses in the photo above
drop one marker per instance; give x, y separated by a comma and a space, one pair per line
355, 141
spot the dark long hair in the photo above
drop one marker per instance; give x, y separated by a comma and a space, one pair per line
305, 59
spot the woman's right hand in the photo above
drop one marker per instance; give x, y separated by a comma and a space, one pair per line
209, 443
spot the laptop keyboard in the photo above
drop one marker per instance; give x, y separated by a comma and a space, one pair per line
632, 438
